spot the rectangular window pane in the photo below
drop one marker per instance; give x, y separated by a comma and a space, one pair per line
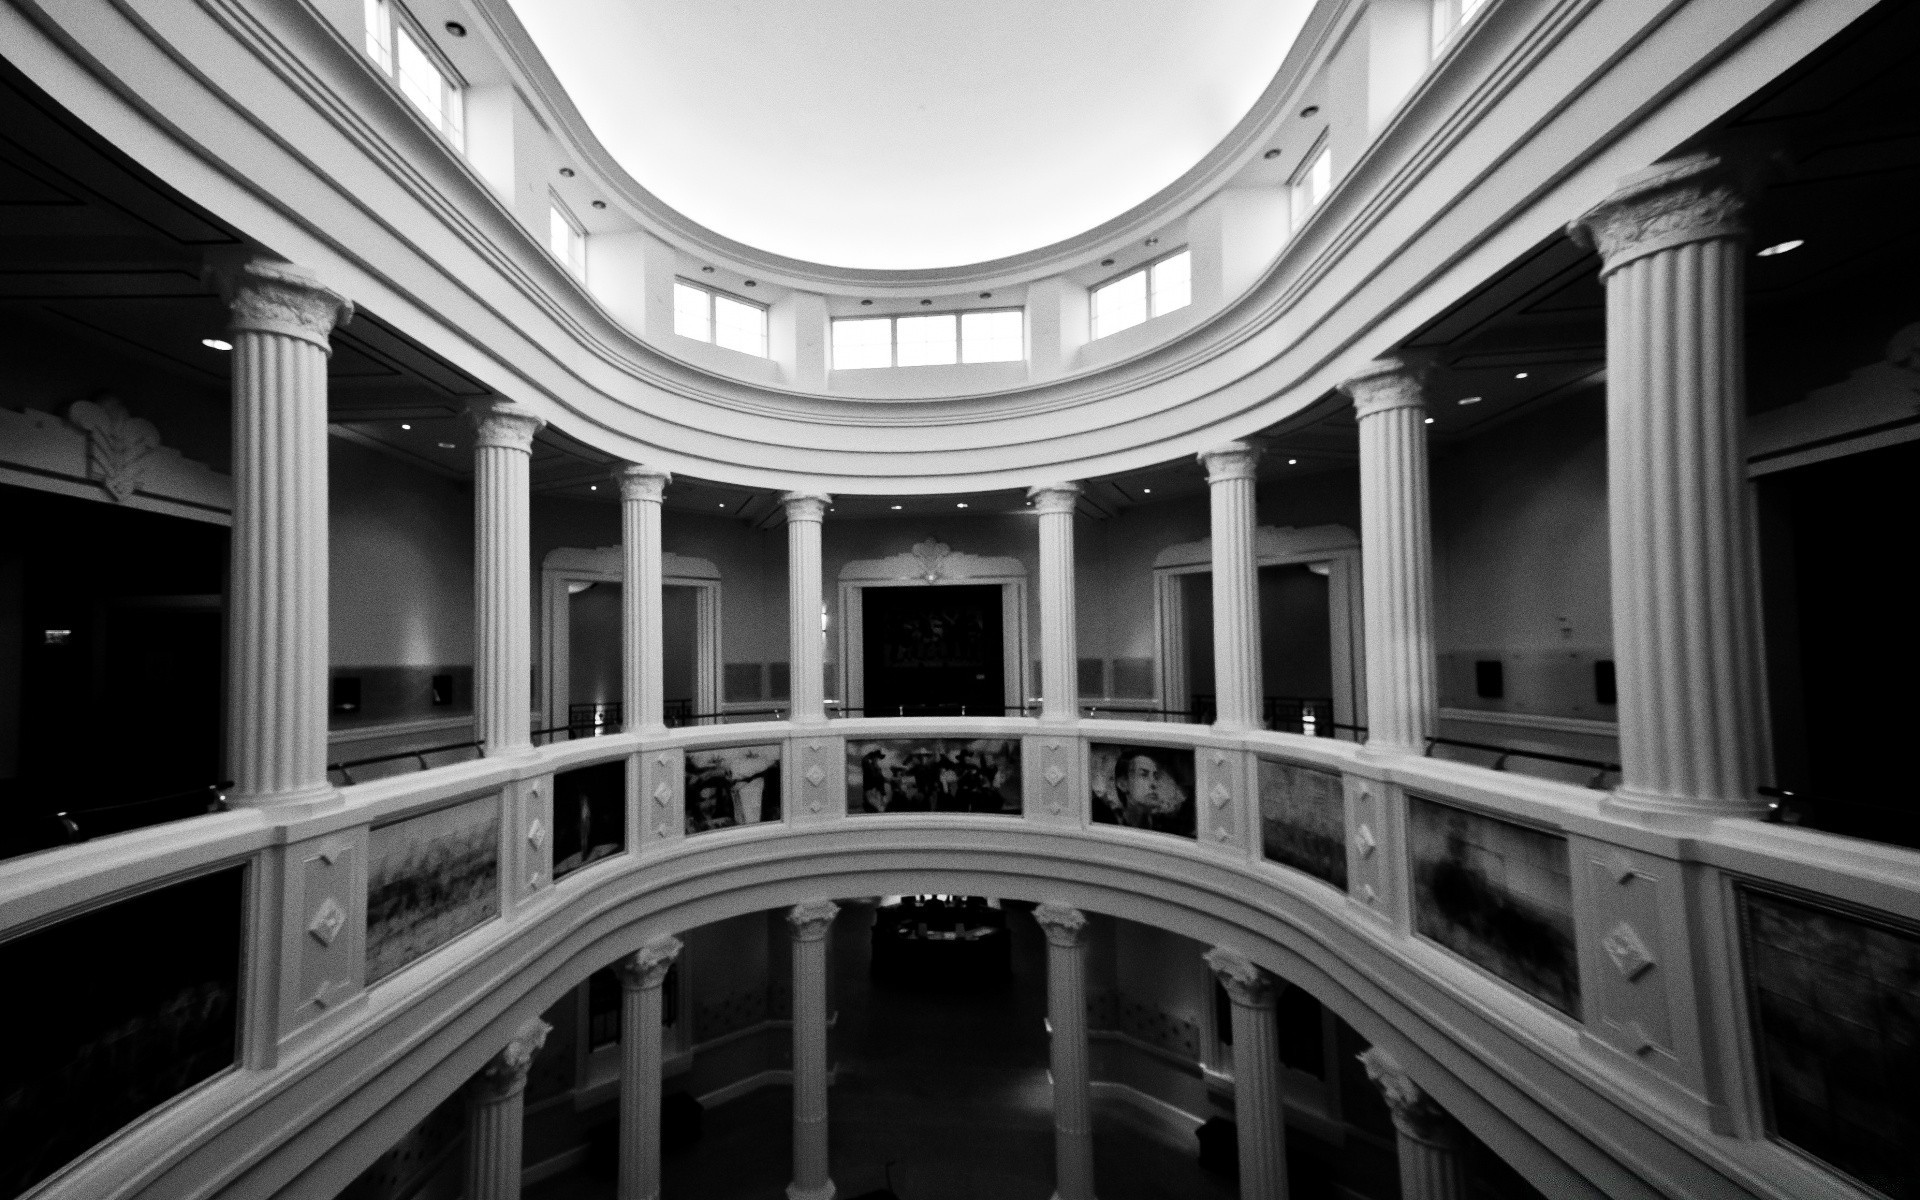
1119, 305
993, 337
420, 81
560, 236
927, 341
739, 326
691, 313
1172, 280
379, 29
1321, 176
863, 343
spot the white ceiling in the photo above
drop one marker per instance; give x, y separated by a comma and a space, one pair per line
896, 134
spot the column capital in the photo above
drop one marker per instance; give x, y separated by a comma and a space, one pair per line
805, 506
265, 295
641, 483
1694, 198
504, 425
506, 1072
648, 965
809, 920
1235, 460
1248, 984
1415, 1113
1394, 381
1054, 497
1064, 926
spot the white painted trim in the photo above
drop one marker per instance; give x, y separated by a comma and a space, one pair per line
547, 1168
1176, 1123
1537, 721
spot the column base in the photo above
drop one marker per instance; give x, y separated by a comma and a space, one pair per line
824, 1192
1687, 806
300, 802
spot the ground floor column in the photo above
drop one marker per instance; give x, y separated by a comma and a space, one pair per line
1067, 1016
1259, 1110
809, 922
641, 975
1432, 1165
496, 1114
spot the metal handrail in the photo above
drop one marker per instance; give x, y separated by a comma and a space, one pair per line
420, 755
1601, 769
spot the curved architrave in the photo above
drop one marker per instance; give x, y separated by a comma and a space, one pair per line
326, 1116
565, 565
1469, 173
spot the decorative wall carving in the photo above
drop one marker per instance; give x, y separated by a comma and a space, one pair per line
118, 444
931, 561
101, 448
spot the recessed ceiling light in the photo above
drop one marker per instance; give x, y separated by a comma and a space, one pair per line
865, 303
751, 283
1519, 374
1780, 248
216, 343
723, 505
1274, 153
1293, 462
405, 426
926, 302
445, 445
599, 203
1106, 262
1310, 110
1429, 420
896, 508
1146, 491
962, 504
1153, 241
1470, 400
566, 172
456, 29
986, 295
707, 270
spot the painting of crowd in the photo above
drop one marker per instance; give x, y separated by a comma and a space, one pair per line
1143, 787
1303, 820
981, 775
430, 879
732, 786
113, 1013
1498, 894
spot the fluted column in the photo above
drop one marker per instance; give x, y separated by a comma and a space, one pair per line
1685, 620
809, 922
807, 641
1238, 691
1059, 636
502, 575
643, 681
1067, 1015
1259, 1109
1430, 1141
280, 322
496, 1114
641, 974
1396, 553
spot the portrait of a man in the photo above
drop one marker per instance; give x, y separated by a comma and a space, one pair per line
1143, 787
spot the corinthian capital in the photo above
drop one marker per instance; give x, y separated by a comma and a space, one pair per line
1248, 984
1395, 381
503, 425
806, 506
1235, 460
266, 296
1690, 199
1064, 926
809, 920
647, 966
506, 1072
1414, 1112
641, 483
1054, 497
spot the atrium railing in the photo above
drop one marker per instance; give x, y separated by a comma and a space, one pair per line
1502, 753
419, 756
71, 826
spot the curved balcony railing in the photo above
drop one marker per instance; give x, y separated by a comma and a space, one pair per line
1597, 994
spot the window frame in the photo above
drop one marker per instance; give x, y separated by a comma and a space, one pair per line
1448, 18
713, 318
386, 59
1146, 269
576, 242
959, 316
1298, 207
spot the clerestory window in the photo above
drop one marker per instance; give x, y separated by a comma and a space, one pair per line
566, 239
930, 339
1143, 293
726, 321
1448, 18
405, 55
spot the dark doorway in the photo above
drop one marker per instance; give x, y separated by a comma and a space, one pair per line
933, 650
1842, 649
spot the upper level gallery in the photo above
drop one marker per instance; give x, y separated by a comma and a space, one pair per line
1355, 169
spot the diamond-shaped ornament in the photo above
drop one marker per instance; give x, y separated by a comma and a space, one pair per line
1628, 951
327, 920
1054, 774
662, 792
815, 775
536, 833
1363, 843
1221, 794
1223, 833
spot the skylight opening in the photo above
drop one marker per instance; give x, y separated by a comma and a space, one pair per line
929, 339
719, 319
1140, 295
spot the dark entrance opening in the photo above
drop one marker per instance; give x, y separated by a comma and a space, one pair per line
933, 650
